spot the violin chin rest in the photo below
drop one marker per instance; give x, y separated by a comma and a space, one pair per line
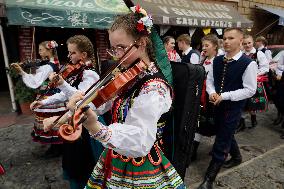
69, 133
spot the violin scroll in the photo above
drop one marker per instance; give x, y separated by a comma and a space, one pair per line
70, 133
73, 132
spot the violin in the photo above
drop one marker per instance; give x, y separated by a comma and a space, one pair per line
33, 63
100, 96
109, 86
64, 71
30, 64
70, 68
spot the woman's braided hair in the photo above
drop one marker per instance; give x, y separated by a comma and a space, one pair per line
84, 45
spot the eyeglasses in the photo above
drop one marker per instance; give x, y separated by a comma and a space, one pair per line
119, 51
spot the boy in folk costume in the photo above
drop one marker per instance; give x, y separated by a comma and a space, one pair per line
279, 96
189, 55
260, 45
232, 80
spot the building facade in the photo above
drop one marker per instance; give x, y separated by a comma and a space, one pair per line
265, 23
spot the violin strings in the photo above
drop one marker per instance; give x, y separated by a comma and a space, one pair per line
101, 82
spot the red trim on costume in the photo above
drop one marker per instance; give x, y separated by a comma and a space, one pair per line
136, 163
107, 167
127, 159
158, 154
142, 172
203, 95
2, 170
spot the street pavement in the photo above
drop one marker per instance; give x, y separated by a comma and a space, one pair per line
263, 158
261, 147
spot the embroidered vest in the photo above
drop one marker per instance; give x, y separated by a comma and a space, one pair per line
122, 105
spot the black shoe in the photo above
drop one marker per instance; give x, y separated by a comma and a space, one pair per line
278, 120
282, 136
206, 184
55, 150
253, 121
194, 151
210, 176
232, 162
241, 126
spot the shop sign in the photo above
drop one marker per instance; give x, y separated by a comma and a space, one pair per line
194, 13
65, 13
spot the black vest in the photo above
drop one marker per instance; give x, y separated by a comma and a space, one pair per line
186, 58
232, 78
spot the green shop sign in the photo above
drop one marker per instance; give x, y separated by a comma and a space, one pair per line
65, 13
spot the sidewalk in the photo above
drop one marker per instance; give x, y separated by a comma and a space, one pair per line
21, 157
263, 172
262, 150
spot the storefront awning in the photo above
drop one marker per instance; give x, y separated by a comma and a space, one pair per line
194, 13
277, 11
64, 13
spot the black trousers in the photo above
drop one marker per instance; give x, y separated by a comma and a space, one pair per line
226, 121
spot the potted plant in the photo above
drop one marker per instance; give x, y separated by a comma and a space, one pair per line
23, 94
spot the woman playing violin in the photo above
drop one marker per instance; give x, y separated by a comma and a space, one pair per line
49, 64
78, 157
80, 74
133, 157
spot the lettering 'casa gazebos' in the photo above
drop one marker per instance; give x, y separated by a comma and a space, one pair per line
194, 13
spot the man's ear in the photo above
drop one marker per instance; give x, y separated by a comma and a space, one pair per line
241, 41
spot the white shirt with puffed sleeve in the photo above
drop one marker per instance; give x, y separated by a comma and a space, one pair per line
136, 136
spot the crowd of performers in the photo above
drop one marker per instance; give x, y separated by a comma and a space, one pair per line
126, 151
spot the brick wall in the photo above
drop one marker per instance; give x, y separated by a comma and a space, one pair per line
247, 7
262, 19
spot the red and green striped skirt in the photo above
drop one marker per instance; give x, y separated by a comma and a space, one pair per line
150, 172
